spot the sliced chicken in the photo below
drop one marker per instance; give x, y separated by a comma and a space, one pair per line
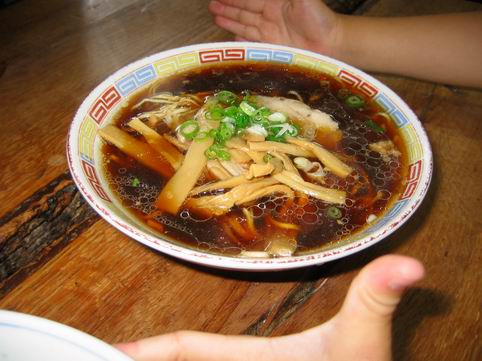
298, 111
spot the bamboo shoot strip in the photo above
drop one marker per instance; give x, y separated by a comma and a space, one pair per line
177, 189
277, 188
222, 184
328, 159
222, 203
298, 184
269, 146
137, 149
287, 163
156, 141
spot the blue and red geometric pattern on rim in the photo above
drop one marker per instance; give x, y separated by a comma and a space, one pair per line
398, 117
104, 103
358, 83
93, 179
217, 55
414, 173
135, 79
269, 55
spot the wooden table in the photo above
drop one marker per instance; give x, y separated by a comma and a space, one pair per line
60, 260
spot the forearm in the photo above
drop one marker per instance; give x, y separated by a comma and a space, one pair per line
441, 48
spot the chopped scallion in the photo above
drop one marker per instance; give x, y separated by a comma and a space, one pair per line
241, 120
202, 135
223, 154
263, 111
354, 101
226, 97
228, 120
231, 111
267, 157
343, 93
293, 130
136, 182
374, 126
215, 113
333, 212
189, 129
247, 108
210, 153
217, 152
277, 117
258, 118
224, 132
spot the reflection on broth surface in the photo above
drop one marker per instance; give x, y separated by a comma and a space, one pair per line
253, 159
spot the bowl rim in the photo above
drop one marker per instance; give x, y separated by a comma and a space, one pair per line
62, 333
242, 263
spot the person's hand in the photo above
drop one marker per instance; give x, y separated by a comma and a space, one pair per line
306, 24
360, 331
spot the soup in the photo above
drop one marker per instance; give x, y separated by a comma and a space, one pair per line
253, 160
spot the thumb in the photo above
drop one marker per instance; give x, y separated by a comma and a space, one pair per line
366, 315
377, 289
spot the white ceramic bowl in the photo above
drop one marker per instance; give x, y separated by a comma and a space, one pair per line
96, 111
29, 338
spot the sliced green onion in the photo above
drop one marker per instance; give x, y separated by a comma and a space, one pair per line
223, 154
274, 138
275, 131
231, 111
242, 120
293, 131
217, 152
224, 132
333, 213
286, 129
189, 129
277, 117
202, 135
354, 101
228, 120
210, 153
258, 118
247, 108
226, 97
283, 130
211, 102
215, 113
343, 93
374, 126
136, 182
263, 111
275, 125
258, 129
267, 157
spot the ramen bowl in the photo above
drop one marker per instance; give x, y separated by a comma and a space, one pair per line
103, 104
25, 337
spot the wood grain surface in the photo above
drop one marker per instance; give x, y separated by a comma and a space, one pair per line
59, 260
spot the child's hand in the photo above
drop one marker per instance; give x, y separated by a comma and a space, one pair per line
306, 24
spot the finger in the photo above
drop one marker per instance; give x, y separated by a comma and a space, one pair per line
376, 291
255, 6
248, 32
196, 346
234, 13
366, 315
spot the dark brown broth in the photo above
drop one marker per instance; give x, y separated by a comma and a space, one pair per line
320, 92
